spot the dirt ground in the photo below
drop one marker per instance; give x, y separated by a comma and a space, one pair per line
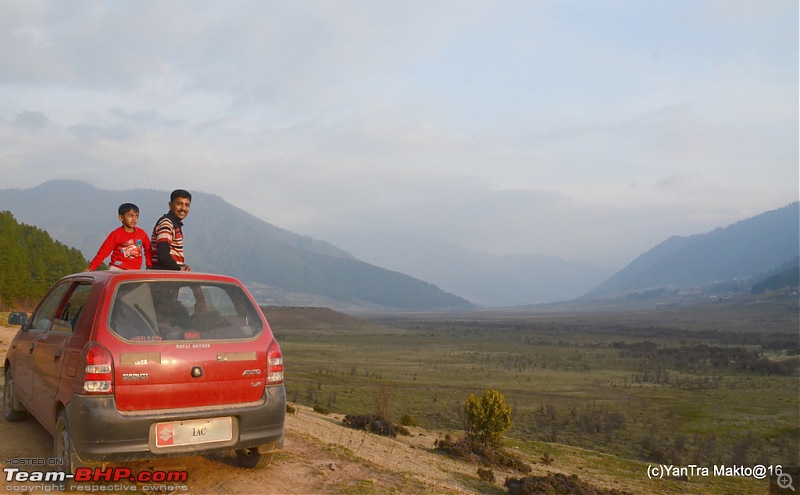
320, 457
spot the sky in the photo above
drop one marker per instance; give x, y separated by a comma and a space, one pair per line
587, 130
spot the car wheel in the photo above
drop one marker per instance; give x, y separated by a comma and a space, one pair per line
251, 458
62, 445
12, 409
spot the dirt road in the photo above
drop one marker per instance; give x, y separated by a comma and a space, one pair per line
320, 457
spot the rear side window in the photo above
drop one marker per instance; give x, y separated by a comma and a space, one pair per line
46, 312
182, 310
68, 316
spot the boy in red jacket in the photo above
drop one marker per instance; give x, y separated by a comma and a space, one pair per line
127, 245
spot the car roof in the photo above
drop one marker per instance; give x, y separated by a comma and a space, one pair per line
109, 276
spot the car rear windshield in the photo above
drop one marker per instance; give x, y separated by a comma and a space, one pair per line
183, 310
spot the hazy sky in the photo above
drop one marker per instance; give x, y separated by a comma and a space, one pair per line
586, 129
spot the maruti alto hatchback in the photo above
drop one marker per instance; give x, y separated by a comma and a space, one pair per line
146, 364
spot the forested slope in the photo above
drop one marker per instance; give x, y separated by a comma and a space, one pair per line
30, 261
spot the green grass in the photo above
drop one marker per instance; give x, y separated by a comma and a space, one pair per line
582, 381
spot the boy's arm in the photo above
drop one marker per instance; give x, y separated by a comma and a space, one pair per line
103, 252
148, 261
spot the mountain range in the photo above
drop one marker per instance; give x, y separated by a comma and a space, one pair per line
284, 268
760, 245
281, 267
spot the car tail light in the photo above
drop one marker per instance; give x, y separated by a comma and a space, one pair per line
274, 364
99, 376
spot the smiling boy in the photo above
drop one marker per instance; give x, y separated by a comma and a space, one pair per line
127, 245
167, 239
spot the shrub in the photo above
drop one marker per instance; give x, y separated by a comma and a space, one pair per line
489, 455
319, 408
486, 475
371, 423
408, 420
486, 417
556, 483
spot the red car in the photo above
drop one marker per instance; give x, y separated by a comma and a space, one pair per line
146, 364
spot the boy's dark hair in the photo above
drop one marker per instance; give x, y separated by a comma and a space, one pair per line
126, 207
179, 193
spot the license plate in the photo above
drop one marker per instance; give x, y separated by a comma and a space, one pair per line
197, 431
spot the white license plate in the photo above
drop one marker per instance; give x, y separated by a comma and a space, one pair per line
193, 432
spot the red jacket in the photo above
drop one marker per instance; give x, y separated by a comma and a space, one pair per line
126, 249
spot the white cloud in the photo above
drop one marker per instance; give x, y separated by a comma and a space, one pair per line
513, 127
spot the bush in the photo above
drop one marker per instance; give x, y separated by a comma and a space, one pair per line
555, 483
319, 408
488, 455
408, 420
486, 475
371, 423
487, 417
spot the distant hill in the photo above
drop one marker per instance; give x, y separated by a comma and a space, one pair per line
787, 275
742, 250
314, 319
222, 238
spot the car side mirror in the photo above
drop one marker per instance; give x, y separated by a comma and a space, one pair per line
18, 318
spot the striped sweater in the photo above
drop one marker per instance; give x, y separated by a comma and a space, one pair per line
167, 243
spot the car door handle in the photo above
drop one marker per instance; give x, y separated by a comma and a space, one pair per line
33, 346
58, 353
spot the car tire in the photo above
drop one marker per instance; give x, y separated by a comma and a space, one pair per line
62, 445
252, 459
12, 409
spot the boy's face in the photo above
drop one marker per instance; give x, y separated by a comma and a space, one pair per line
180, 207
129, 220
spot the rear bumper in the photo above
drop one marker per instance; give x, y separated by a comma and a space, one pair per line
99, 433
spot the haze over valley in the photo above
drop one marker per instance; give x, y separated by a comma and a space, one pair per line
284, 268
